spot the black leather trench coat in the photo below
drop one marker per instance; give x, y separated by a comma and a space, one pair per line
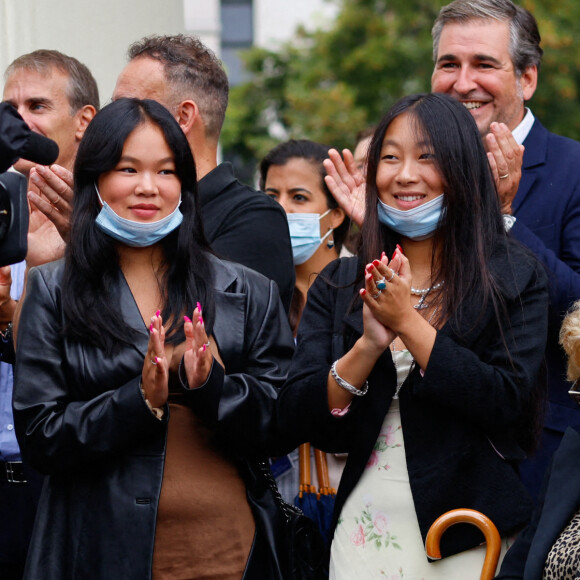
82, 420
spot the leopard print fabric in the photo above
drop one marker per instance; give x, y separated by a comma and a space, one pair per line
563, 561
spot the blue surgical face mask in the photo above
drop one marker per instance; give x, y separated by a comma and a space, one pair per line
137, 234
418, 223
305, 235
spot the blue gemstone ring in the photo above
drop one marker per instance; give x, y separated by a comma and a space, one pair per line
382, 284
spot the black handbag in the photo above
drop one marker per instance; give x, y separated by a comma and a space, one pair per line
297, 543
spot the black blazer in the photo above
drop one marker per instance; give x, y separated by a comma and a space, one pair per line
81, 419
559, 502
460, 420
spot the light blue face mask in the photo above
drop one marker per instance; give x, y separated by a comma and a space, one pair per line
305, 235
136, 234
418, 223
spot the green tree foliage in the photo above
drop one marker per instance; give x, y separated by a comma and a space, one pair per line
326, 85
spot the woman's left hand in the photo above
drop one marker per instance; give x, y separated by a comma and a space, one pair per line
391, 306
197, 358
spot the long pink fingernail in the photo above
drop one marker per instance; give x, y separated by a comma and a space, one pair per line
201, 320
158, 313
204, 347
187, 319
151, 328
199, 308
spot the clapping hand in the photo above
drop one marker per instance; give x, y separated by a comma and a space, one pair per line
505, 158
155, 375
198, 358
387, 289
346, 183
53, 195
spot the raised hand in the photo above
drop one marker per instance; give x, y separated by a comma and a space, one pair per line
346, 183
505, 158
53, 196
155, 375
198, 358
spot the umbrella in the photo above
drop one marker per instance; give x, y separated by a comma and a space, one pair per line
479, 520
316, 504
326, 494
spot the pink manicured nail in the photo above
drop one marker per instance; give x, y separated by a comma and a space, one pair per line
156, 359
201, 320
187, 319
383, 255
204, 347
151, 328
199, 308
158, 313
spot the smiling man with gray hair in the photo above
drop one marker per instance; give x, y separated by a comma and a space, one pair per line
487, 55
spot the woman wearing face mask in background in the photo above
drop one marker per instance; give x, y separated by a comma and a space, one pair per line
293, 174
430, 383
147, 416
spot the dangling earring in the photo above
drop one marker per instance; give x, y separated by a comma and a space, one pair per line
330, 243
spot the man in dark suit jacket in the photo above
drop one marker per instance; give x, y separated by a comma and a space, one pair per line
241, 224
478, 63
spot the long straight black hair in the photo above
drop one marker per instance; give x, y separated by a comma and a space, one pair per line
471, 225
91, 258
470, 228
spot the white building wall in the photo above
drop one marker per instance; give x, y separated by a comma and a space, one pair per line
276, 20
96, 32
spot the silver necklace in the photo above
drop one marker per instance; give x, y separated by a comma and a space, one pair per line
412, 365
423, 293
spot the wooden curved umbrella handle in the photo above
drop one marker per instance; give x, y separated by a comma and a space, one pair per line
475, 518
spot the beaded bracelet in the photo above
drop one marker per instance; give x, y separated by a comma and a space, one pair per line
346, 385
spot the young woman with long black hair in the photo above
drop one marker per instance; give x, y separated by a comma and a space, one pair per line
147, 373
421, 357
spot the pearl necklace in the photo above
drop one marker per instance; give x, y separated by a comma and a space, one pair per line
423, 293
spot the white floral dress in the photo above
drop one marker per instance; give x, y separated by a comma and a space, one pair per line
377, 536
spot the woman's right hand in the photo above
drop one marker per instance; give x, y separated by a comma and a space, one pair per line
375, 332
155, 375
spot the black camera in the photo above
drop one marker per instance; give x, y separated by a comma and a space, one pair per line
17, 141
13, 218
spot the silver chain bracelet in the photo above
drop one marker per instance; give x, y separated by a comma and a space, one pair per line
346, 385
